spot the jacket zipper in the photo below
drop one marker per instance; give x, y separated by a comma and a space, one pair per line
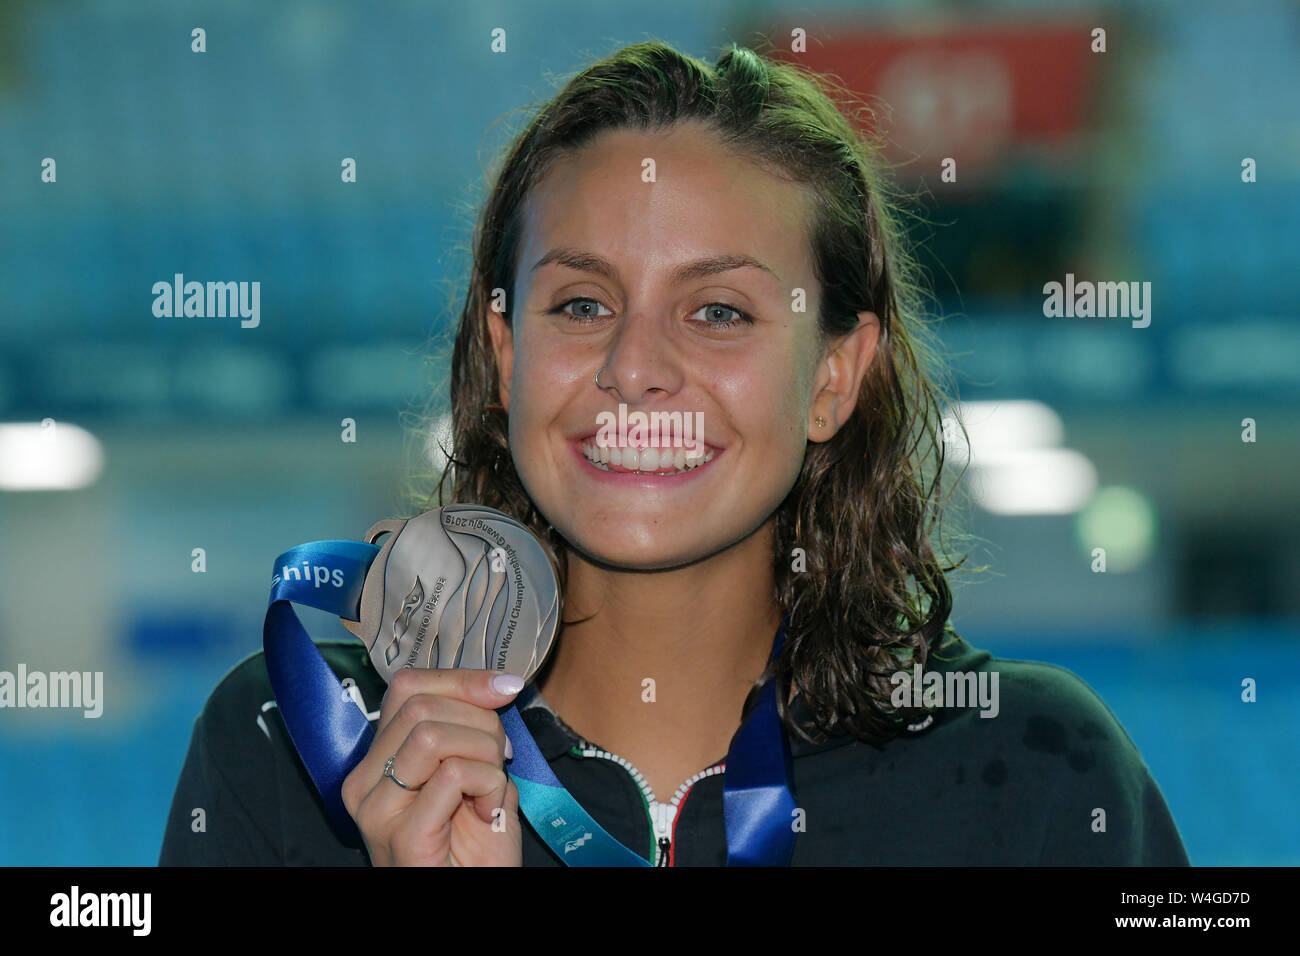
663, 816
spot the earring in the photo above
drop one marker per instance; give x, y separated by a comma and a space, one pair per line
821, 422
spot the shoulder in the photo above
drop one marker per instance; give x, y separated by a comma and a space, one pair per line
242, 770
1043, 707
240, 727
1017, 763
1034, 715
244, 694
1040, 734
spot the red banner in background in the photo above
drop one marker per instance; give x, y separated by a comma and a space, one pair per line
973, 92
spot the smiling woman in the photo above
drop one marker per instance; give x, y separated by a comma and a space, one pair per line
715, 243
712, 245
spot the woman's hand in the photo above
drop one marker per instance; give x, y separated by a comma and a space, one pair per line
448, 747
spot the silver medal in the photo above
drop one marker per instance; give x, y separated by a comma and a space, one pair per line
459, 586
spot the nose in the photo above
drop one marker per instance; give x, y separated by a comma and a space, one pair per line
640, 360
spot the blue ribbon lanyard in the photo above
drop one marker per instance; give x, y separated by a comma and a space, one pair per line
330, 731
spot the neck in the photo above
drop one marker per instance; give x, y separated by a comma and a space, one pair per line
656, 666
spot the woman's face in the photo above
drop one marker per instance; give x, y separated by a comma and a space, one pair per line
610, 296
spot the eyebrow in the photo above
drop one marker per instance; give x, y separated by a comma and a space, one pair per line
698, 269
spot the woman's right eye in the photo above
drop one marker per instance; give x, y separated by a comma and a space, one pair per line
588, 316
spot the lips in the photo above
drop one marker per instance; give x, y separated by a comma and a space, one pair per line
589, 438
662, 444
646, 461
665, 474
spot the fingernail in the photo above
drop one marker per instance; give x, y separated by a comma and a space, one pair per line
508, 684
510, 751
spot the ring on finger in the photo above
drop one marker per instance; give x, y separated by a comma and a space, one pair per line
388, 772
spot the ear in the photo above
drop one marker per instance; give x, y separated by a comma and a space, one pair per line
839, 377
503, 346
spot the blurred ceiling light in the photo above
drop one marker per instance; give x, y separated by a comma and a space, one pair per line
48, 456
1123, 522
1016, 464
995, 428
1034, 481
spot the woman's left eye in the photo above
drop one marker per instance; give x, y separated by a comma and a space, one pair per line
711, 310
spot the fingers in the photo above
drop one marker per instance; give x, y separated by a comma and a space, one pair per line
417, 760
441, 796
485, 807
474, 687
415, 696
447, 746
428, 709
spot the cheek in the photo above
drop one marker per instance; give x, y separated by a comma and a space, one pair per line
544, 377
769, 402
525, 390
531, 375
544, 360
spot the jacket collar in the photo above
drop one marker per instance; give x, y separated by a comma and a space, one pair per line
554, 737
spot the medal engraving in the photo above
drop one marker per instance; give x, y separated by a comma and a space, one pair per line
460, 586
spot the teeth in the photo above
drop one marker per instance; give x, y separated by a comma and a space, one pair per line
646, 460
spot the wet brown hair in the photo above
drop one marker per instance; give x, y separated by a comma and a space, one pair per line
874, 597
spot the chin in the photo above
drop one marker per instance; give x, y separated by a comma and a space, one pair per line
653, 553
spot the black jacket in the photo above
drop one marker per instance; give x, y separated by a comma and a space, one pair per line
1032, 786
